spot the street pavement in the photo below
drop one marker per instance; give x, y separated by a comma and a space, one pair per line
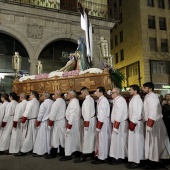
10, 162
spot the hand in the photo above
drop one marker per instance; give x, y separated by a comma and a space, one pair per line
86, 128
68, 131
14, 128
115, 130
148, 129
22, 124
49, 127
37, 127
98, 130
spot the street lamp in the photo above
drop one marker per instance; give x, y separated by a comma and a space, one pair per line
16, 63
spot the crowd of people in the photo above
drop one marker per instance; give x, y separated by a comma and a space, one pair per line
106, 130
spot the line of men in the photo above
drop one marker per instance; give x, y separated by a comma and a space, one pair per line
136, 132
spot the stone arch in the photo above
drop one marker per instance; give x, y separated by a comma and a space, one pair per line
20, 37
53, 37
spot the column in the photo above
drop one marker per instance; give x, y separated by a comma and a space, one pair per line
33, 66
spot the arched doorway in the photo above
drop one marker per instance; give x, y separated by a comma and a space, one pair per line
55, 55
8, 46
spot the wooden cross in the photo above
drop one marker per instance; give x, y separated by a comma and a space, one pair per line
87, 83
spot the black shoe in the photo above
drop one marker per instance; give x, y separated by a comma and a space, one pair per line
82, 159
36, 155
49, 157
20, 154
133, 166
2, 152
65, 158
97, 161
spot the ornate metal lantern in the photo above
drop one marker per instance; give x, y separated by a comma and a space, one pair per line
16, 63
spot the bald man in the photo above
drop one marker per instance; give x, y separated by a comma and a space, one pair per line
57, 124
119, 115
72, 139
42, 143
16, 137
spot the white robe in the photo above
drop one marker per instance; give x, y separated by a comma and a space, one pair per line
88, 113
57, 114
118, 147
2, 112
157, 144
136, 137
42, 143
73, 139
8, 118
29, 129
103, 137
16, 137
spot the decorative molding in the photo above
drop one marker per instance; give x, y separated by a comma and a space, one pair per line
34, 31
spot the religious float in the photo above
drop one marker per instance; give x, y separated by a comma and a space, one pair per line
77, 72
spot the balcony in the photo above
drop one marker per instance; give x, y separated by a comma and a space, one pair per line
161, 78
94, 9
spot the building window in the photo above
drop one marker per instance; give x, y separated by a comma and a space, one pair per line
158, 67
133, 70
151, 22
116, 41
121, 36
150, 3
121, 55
120, 17
116, 58
153, 44
111, 43
162, 23
161, 4
164, 45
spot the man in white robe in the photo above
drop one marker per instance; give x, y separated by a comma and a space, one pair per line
119, 116
57, 123
88, 113
4, 99
73, 128
16, 137
136, 129
157, 144
42, 143
7, 123
103, 127
28, 123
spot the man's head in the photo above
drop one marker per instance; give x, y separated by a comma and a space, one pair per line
45, 95
134, 89
100, 91
4, 97
71, 94
34, 94
12, 96
115, 92
3, 92
84, 91
148, 87
167, 96
22, 96
57, 94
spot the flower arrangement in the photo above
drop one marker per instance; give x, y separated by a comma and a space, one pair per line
41, 76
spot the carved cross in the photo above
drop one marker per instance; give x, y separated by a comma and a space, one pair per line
56, 86
87, 83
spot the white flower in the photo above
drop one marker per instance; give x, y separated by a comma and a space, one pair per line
55, 73
91, 70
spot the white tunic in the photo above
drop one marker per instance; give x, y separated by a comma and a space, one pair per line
118, 147
8, 118
42, 143
157, 144
103, 137
29, 129
2, 112
88, 113
58, 114
16, 137
136, 137
73, 139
